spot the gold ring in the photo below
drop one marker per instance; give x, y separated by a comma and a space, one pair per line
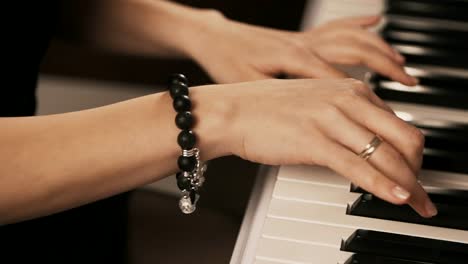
370, 148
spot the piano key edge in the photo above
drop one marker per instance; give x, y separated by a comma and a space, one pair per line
255, 215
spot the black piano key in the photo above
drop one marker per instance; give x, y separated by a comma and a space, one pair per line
451, 214
449, 136
450, 197
434, 27
445, 161
442, 196
433, 89
427, 95
356, 189
437, 9
448, 40
400, 37
446, 148
433, 44
416, 54
404, 247
372, 259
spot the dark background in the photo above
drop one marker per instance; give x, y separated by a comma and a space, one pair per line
155, 235
65, 59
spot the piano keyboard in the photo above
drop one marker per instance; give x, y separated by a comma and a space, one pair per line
304, 214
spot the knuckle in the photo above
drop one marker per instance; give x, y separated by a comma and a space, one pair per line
370, 183
356, 85
298, 49
346, 96
361, 89
331, 112
416, 139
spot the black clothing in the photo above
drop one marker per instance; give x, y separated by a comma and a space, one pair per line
94, 233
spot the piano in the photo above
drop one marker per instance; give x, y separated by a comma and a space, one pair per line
307, 214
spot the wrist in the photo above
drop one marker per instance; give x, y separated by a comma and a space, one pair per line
199, 30
214, 113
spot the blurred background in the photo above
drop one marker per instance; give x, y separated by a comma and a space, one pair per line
75, 78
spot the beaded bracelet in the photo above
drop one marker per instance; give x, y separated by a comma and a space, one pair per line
190, 178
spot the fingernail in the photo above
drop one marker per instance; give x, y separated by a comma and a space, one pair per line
400, 193
431, 210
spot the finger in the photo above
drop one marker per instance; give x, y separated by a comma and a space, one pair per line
361, 21
386, 159
378, 61
366, 91
406, 139
373, 98
361, 173
377, 42
308, 65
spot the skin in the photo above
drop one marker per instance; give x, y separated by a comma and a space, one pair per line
52, 163
211, 39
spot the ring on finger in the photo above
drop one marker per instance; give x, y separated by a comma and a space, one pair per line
370, 148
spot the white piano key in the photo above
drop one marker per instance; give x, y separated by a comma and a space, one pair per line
294, 252
352, 8
316, 174
296, 191
262, 261
336, 216
326, 177
320, 11
319, 234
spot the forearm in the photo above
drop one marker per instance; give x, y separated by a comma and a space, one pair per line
51, 163
137, 27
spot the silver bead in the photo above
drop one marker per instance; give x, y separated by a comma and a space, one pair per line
186, 206
189, 152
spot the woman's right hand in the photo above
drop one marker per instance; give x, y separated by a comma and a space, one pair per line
325, 122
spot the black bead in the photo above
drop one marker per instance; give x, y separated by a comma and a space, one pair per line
182, 103
178, 77
184, 120
178, 89
187, 163
183, 182
186, 139
193, 196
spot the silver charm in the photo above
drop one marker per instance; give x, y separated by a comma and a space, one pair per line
186, 206
196, 179
203, 169
198, 182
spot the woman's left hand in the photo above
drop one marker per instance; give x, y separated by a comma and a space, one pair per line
231, 51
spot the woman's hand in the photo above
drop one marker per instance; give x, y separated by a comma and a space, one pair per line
230, 51
323, 122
